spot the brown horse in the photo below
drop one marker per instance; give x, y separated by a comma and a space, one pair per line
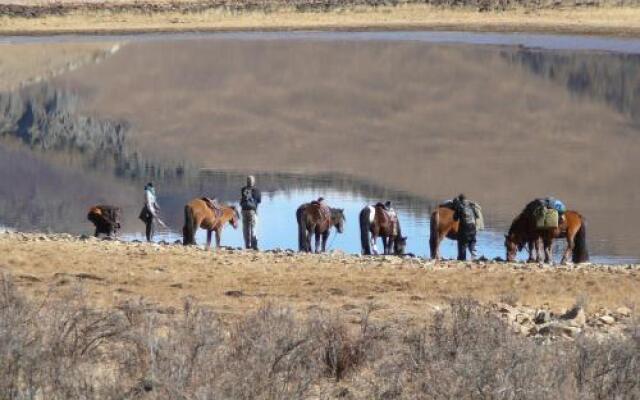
106, 219
317, 219
442, 226
523, 231
379, 222
202, 213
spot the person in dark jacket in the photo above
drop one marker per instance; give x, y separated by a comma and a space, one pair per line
250, 199
465, 213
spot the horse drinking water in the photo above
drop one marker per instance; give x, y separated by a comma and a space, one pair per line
106, 219
316, 218
380, 222
525, 231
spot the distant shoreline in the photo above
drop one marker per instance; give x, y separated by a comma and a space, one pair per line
105, 19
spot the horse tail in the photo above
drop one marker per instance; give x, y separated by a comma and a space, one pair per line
188, 231
302, 231
365, 227
434, 234
580, 251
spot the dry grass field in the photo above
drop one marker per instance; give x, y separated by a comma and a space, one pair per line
607, 20
29, 63
234, 283
109, 320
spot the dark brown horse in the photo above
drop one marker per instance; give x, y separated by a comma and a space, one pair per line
106, 219
379, 222
442, 226
203, 213
315, 218
523, 231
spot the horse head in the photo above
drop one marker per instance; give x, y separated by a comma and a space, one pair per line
513, 244
400, 245
338, 219
235, 217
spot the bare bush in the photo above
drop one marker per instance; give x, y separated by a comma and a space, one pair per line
60, 348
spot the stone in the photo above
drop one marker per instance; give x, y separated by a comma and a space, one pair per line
505, 308
556, 329
607, 319
522, 318
575, 316
542, 317
623, 311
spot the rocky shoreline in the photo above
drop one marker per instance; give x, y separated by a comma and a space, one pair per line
543, 322
410, 259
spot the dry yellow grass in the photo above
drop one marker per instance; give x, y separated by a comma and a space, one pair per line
27, 63
606, 20
400, 290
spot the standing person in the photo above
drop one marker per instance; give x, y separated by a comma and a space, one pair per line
465, 213
250, 198
149, 213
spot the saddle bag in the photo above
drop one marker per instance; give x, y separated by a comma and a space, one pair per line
547, 218
479, 216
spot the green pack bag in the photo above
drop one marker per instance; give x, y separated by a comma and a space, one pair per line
547, 218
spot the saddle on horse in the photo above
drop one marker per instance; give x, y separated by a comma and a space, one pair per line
323, 209
388, 213
213, 205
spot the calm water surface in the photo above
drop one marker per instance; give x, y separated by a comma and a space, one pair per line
278, 230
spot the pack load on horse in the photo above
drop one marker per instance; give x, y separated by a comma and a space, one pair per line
548, 212
443, 225
540, 224
317, 218
381, 220
210, 215
106, 219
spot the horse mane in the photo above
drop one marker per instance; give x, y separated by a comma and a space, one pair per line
336, 212
232, 208
517, 229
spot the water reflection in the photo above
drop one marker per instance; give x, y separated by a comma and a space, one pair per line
611, 78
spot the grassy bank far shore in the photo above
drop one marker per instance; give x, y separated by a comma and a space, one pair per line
23, 20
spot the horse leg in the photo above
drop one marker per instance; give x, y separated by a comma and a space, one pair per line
538, 250
208, 245
571, 244
308, 241
530, 248
218, 237
374, 244
325, 236
548, 256
317, 243
387, 244
439, 239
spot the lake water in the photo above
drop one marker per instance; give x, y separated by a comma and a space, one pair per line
278, 229
360, 117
